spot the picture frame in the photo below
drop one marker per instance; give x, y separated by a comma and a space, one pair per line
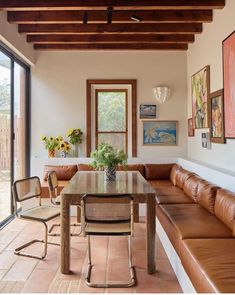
206, 144
200, 87
190, 128
216, 109
229, 85
160, 133
148, 111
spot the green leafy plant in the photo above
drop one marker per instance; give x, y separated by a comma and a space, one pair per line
75, 136
51, 143
107, 157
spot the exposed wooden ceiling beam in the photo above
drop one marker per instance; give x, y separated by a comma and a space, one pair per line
103, 4
132, 38
160, 28
142, 46
147, 16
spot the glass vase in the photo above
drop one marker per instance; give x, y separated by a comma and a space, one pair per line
75, 151
110, 174
51, 153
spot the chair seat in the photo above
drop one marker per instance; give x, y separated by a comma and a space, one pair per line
41, 213
107, 228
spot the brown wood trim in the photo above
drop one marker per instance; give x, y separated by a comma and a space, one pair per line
153, 16
117, 38
133, 84
103, 4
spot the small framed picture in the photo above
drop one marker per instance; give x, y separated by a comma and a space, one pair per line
148, 111
206, 140
190, 127
160, 133
216, 108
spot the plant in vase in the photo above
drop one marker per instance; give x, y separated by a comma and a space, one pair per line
64, 148
107, 158
51, 144
75, 138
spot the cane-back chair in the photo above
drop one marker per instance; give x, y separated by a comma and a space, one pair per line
27, 189
108, 215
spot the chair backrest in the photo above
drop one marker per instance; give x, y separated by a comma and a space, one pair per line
107, 208
28, 188
52, 181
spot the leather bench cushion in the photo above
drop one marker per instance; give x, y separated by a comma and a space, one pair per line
45, 187
132, 167
160, 183
225, 207
85, 167
206, 194
158, 171
210, 264
181, 176
173, 199
191, 221
190, 186
173, 173
63, 172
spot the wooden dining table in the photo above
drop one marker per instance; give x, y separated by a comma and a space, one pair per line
93, 182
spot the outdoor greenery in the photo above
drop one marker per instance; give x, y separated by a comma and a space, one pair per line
4, 93
107, 157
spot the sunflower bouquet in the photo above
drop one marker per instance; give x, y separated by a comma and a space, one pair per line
51, 143
75, 136
64, 147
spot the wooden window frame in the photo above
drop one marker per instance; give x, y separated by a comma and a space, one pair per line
133, 84
97, 132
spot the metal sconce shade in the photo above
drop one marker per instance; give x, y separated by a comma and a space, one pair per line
162, 93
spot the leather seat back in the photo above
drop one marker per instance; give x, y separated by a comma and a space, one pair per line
190, 186
132, 167
63, 172
181, 176
174, 170
225, 208
158, 171
206, 195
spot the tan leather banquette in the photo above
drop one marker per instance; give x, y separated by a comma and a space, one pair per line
197, 216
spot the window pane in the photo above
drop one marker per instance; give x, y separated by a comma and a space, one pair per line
5, 137
19, 121
116, 140
111, 108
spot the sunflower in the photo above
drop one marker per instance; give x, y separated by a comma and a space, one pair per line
51, 138
43, 137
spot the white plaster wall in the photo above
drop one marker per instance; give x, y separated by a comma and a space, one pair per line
207, 50
59, 91
17, 43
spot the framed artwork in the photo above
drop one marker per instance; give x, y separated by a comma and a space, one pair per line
216, 109
206, 140
190, 127
200, 85
160, 132
148, 111
229, 85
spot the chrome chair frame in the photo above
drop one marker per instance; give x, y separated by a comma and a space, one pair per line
53, 191
18, 250
89, 268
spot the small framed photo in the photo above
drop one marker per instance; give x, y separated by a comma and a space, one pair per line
190, 127
160, 133
216, 108
206, 140
148, 111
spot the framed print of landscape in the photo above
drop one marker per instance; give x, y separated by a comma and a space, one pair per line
229, 85
200, 96
216, 107
160, 132
148, 111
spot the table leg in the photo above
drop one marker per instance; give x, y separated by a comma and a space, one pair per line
136, 212
78, 214
65, 235
151, 230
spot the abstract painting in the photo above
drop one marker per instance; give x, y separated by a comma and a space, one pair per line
190, 127
160, 132
229, 85
216, 107
200, 96
148, 111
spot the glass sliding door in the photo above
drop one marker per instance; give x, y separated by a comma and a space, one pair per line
14, 130
5, 136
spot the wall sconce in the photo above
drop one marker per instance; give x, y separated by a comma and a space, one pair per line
162, 93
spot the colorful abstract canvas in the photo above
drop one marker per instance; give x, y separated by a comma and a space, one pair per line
200, 96
229, 85
160, 132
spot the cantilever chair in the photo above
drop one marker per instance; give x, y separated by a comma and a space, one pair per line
56, 200
110, 215
26, 189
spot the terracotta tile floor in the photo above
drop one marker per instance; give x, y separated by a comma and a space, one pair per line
27, 275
